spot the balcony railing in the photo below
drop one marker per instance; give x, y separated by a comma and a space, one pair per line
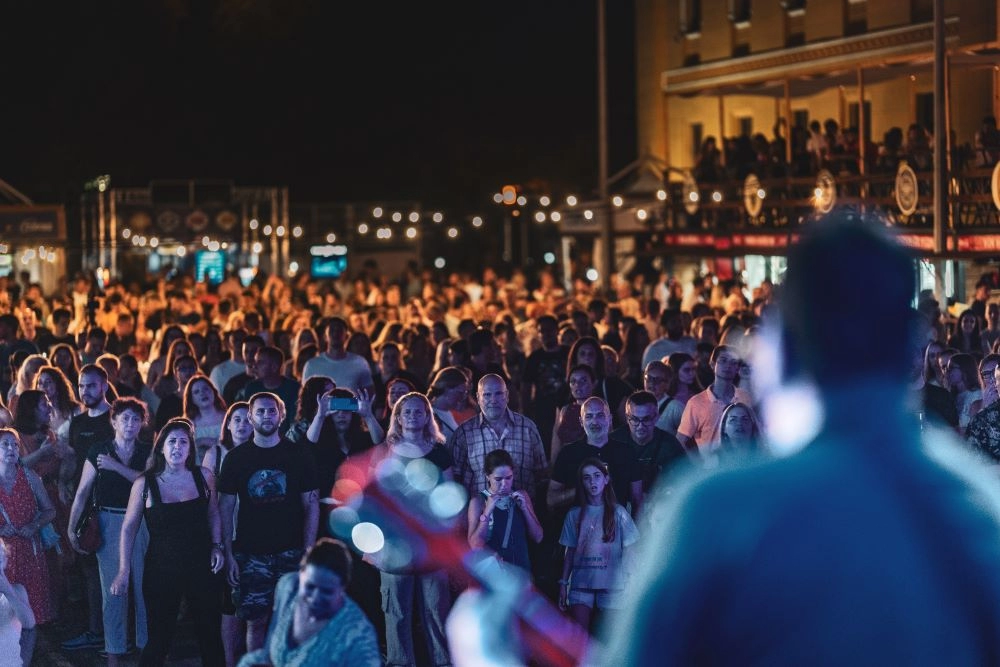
782, 204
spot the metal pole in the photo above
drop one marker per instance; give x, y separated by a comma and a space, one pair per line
940, 133
275, 266
100, 228
788, 123
113, 241
862, 128
721, 144
666, 129
607, 234
286, 223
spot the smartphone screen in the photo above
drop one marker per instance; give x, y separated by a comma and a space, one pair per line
348, 404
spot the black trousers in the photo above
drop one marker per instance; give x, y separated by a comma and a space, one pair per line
164, 589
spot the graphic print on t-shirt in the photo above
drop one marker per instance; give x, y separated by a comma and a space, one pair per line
267, 486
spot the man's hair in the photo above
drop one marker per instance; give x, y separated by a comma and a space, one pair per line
833, 316
254, 339
261, 395
719, 349
550, 319
480, 341
274, 352
94, 369
638, 398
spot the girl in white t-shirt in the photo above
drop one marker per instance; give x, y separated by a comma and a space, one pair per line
598, 534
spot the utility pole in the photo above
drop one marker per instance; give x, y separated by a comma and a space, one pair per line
607, 222
940, 133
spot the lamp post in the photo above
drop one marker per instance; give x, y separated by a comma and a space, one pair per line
607, 221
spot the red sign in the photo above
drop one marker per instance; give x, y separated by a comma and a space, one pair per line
917, 241
761, 240
690, 239
983, 243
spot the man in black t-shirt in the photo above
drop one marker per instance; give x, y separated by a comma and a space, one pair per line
544, 381
275, 482
653, 449
626, 477
87, 429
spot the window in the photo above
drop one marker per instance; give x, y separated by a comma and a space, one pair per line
856, 17
697, 135
795, 28
739, 13
921, 10
690, 17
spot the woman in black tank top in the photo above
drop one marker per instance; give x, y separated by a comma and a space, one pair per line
177, 500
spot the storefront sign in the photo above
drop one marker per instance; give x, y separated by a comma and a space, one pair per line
33, 223
920, 242
690, 240
762, 241
978, 243
179, 223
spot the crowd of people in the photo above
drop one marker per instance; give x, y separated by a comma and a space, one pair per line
176, 448
829, 146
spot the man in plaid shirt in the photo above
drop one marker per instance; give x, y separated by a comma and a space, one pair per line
498, 427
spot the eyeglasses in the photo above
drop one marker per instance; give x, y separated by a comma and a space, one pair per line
655, 378
641, 421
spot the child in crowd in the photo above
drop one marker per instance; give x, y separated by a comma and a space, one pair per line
598, 534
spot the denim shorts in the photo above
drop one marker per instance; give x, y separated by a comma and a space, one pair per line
594, 597
259, 574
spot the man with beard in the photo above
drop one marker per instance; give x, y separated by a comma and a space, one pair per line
276, 484
90, 427
626, 478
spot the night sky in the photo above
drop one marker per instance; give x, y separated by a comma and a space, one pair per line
440, 102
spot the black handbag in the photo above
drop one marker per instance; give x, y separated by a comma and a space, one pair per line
88, 528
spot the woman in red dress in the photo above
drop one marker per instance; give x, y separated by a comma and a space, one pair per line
26, 508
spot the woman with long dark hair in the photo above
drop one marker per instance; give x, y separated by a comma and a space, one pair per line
963, 381
614, 390
175, 498
598, 534
966, 336
337, 434
63, 357
682, 387
204, 407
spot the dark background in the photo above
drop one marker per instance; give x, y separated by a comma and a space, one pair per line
341, 101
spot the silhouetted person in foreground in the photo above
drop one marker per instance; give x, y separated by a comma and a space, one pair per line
866, 547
